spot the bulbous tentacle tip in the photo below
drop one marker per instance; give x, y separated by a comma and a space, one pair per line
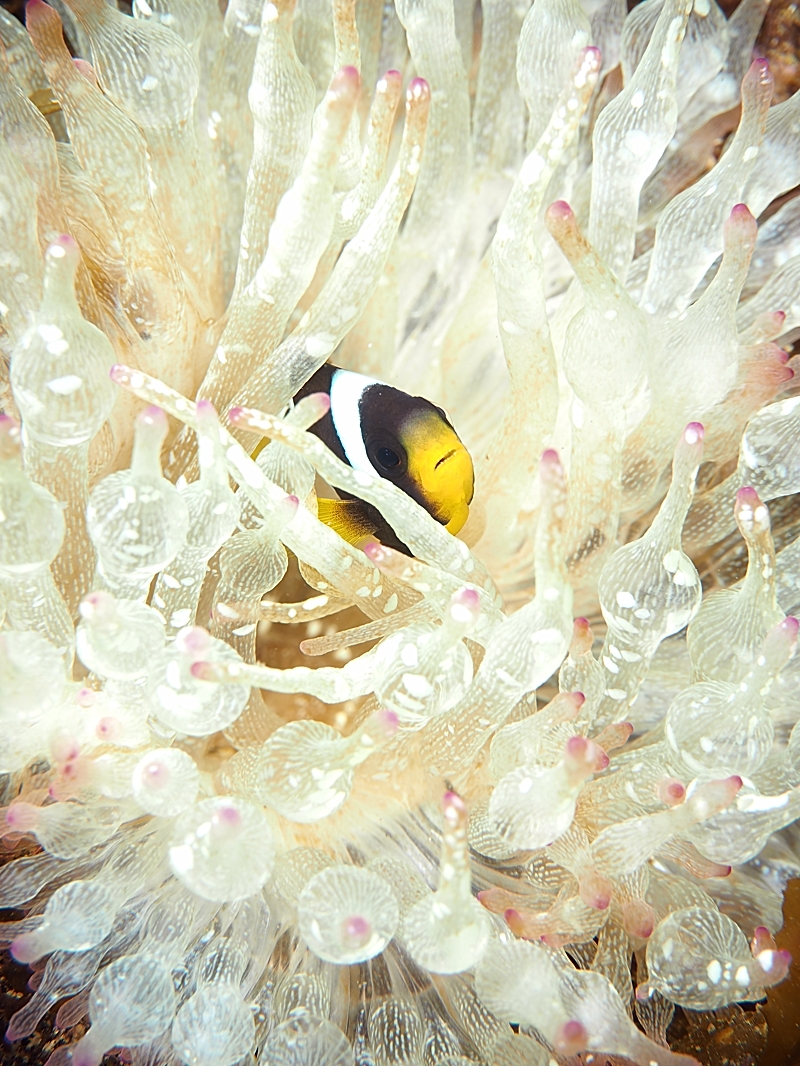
583, 757
24, 950
12, 1033
599, 902
193, 641
780, 644
643, 992
714, 796
152, 416
466, 597
206, 409
374, 551
614, 736
787, 374
751, 514
596, 891
97, 605
514, 921
346, 82
560, 221
63, 251
321, 402
465, 607
387, 722
62, 1057
638, 919
786, 957
85, 68
671, 791
689, 449
762, 940
6, 420
571, 1038
203, 671
109, 729
64, 240
10, 437
38, 11
741, 231
775, 965
390, 85
577, 747
550, 468
21, 816
558, 211
418, 89
764, 329
74, 775
582, 638
453, 805
759, 68
741, 213
86, 697
285, 510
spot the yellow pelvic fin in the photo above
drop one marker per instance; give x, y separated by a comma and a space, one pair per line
45, 101
259, 448
349, 518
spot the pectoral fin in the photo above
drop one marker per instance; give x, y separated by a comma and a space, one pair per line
353, 520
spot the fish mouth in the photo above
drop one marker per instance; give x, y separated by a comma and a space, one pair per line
445, 457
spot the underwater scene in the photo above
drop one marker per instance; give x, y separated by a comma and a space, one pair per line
399, 533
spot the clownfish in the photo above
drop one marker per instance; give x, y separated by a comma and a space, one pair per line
406, 439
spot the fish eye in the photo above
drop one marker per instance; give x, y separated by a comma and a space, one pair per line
387, 457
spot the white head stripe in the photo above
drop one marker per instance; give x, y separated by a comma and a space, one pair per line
346, 391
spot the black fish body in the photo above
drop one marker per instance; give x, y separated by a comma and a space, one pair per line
405, 439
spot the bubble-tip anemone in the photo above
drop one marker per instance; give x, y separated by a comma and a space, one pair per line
512, 211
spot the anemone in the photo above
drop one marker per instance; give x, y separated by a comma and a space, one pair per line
512, 797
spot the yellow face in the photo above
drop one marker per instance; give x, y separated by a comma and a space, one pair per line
440, 467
